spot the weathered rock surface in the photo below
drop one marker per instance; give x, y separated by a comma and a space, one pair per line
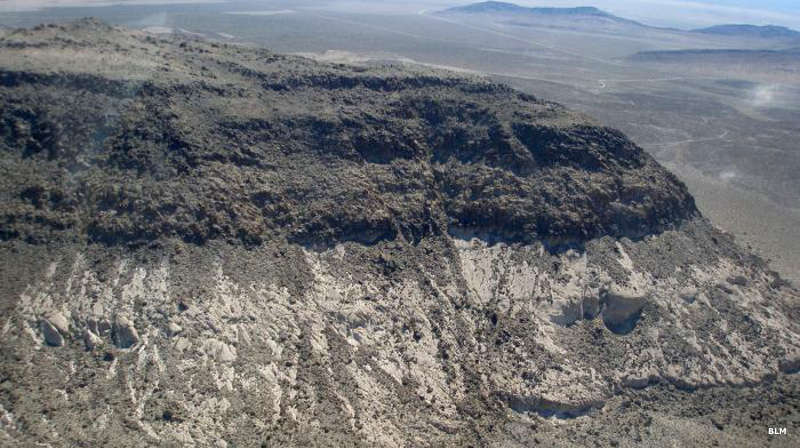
260, 250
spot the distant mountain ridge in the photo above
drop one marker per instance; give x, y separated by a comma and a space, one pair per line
718, 51
766, 31
785, 57
743, 30
511, 8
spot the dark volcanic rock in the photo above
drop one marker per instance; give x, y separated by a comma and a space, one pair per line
258, 146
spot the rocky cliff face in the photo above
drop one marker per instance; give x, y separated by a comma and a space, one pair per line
216, 245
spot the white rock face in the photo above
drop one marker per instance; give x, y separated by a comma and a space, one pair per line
345, 347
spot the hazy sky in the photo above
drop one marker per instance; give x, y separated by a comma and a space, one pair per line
679, 13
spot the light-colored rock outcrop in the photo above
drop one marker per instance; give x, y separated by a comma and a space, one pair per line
480, 327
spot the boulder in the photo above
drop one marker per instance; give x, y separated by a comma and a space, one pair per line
125, 335
103, 328
738, 280
226, 353
569, 314
790, 365
91, 340
591, 307
173, 329
220, 350
51, 334
688, 294
639, 381
621, 309
586, 308
59, 322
